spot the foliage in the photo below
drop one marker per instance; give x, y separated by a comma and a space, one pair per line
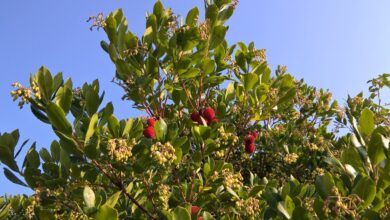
224, 138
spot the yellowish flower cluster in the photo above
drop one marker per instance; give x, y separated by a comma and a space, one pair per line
290, 158
120, 149
313, 147
163, 153
25, 93
231, 180
225, 138
319, 171
78, 216
250, 206
35, 202
220, 154
342, 205
164, 193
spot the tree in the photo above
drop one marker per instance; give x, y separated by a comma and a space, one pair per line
224, 138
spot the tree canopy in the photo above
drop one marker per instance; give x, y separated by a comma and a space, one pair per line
224, 136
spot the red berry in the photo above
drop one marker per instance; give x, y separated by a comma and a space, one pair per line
200, 218
151, 122
195, 116
209, 114
194, 210
249, 139
250, 148
149, 132
255, 134
215, 120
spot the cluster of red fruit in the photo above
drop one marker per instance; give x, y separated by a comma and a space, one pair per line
195, 210
204, 116
250, 142
149, 130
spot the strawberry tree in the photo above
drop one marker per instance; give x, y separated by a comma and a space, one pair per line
222, 137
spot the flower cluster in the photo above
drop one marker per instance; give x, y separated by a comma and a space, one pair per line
341, 206
164, 192
290, 158
120, 149
163, 153
220, 153
78, 216
231, 180
313, 147
249, 206
34, 202
25, 93
225, 138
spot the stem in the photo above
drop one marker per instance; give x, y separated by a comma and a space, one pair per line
120, 186
188, 95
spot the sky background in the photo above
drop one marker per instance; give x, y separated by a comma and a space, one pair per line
333, 44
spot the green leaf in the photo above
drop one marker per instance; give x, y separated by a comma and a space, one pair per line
231, 191
229, 94
183, 65
32, 157
201, 132
191, 73
148, 35
281, 207
39, 114
91, 127
208, 66
161, 129
45, 155
89, 197
212, 13
158, 10
207, 216
113, 199
55, 150
105, 212
225, 14
287, 96
250, 80
92, 101
13, 178
217, 36
7, 158
192, 16
57, 118
366, 190
45, 83
113, 126
181, 213
324, 185
64, 98
376, 148
128, 126
366, 122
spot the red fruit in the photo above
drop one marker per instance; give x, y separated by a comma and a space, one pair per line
151, 122
194, 210
215, 120
195, 116
250, 148
209, 114
255, 134
249, 139
149, 132
200, 218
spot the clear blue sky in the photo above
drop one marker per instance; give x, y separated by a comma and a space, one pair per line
337, 45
